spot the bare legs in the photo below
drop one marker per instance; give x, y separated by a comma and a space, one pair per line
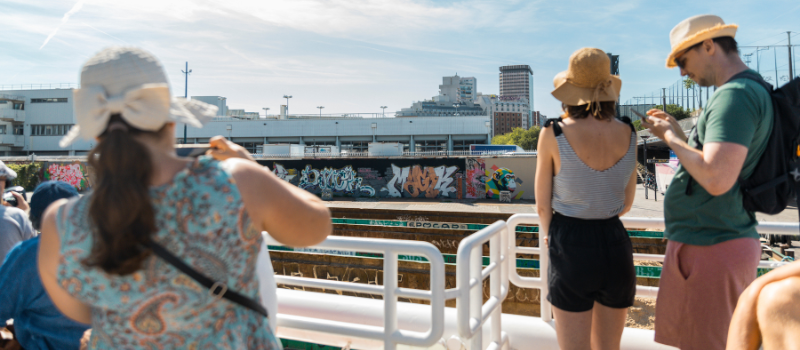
598, 329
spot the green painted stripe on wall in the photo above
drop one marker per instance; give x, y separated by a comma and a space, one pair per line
473, 227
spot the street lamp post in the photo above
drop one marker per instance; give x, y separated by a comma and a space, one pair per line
644, 138
383, 114
266, 112
320, 110
456, 106
186, 94
287, 97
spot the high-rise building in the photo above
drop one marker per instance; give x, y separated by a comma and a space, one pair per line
516, 81
456, 98
467, 87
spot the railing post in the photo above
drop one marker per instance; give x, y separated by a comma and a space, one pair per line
390, 299
476, 294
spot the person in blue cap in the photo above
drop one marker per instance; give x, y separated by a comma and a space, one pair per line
37, 322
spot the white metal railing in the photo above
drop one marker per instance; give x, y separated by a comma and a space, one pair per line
779, 228
389, 333
470, 274
39, 86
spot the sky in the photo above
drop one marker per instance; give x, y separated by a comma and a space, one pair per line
353, 56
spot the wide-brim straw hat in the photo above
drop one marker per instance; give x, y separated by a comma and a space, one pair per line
588, 79
695, 30
131, 82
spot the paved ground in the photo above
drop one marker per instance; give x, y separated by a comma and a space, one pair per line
653, 207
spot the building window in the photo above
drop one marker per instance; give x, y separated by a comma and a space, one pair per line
48, 130
249, 146
2, 129
49, 100
19, 130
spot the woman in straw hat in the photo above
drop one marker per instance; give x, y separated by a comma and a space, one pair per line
162, 253
584, 181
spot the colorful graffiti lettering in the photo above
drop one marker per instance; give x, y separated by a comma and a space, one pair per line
282, 173
415, 180
338, 180
500, 179
74, 174
476, 178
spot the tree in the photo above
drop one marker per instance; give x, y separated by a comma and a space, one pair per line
527, 139
676, 111
637, 124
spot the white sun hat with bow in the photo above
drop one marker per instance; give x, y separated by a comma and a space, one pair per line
131, 82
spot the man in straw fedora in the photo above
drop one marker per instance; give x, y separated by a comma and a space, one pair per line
713, 249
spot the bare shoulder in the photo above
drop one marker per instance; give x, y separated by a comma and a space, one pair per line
620, 126
50, 216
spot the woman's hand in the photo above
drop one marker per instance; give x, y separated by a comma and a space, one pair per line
222, 149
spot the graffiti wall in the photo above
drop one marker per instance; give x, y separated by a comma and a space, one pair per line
486, 177
450, 178
392, 178
75, 174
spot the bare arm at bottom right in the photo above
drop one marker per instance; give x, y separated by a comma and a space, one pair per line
744, 333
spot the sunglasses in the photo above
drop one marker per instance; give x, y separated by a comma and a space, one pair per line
681, 62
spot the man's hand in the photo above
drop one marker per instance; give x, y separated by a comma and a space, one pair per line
676, 128
222, 149
21, 203
659, 127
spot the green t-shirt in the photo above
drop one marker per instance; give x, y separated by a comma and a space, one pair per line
740, 111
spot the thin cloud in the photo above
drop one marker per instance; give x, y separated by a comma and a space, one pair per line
77, 7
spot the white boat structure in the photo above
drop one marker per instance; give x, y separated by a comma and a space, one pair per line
360, 323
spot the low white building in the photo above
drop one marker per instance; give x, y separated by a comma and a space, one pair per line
33, 121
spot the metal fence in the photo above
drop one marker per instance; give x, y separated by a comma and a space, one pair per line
389, 333
472, 313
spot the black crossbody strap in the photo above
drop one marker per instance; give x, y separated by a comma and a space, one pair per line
215, 289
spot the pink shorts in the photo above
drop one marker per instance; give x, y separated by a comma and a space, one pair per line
698, 291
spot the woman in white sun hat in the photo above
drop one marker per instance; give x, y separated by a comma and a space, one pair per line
162, 252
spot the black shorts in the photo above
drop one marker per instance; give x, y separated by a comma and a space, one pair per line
590, 260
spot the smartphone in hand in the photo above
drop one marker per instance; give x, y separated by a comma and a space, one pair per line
192, 149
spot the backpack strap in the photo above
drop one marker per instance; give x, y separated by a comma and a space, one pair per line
696, 136
754, 77
217, 289
555, 122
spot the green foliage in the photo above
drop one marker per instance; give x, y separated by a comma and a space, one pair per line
527, 139
676, 111
28, 174
689, 83
638, 125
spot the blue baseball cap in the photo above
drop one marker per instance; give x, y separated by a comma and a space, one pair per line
45, 194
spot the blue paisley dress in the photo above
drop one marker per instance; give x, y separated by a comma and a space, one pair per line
201, 219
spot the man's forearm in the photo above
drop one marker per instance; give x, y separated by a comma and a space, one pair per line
691, 158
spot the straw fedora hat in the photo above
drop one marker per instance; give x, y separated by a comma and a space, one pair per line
588, 79
695, 30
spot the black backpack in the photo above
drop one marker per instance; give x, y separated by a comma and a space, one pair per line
776, 177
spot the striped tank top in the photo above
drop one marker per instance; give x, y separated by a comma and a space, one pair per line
582, 192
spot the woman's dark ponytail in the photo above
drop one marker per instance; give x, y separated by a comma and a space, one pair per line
120, 210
